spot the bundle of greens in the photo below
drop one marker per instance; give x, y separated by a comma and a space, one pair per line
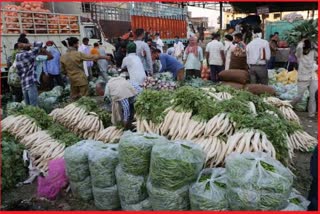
11, 156
39, 115
162, 199
132, 189
62, 135
150, 105
82, 189
297, 202
209, 192
255, 181
143, 205
174, 165
106, 198
306, 29
102, 165
135, 151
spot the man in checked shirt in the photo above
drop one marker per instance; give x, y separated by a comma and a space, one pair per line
25, 60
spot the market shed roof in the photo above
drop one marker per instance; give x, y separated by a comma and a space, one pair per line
248, 7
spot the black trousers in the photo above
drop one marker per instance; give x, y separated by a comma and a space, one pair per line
58, 79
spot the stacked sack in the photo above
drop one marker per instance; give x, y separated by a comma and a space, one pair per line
173, 167
132, 171
255, 181
209, 192
77, 167
102, 165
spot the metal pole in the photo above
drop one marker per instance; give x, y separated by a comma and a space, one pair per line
221, 5
53, 10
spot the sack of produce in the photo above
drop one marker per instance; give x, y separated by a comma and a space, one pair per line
255, 181
297, 202
162, 199
106, 198
132, 189
135, 151
209, 192
143, 205
234, 75
47, 103
82, 189
102, 165
174, 165
233, 85
259, 89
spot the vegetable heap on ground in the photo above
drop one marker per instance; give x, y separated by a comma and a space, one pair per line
222, 120
11, 156
87, 120
39, 134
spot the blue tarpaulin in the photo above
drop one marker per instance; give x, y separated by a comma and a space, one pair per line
251, 20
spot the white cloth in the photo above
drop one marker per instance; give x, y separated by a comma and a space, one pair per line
193, 62
86, 50
144, 53
306, 63
103, 63
255, 50
228, 47
170, 51
178, 49
213, 48
159, 44
135, 68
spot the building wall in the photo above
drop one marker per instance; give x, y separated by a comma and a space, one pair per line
212, 15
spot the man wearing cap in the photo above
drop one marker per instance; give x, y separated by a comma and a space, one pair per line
133, 64
53, 65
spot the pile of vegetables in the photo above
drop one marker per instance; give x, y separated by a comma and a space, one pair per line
158, 84
221, 120
12, 167
39, 134
83, 118
307, 29
47, 100
34, 20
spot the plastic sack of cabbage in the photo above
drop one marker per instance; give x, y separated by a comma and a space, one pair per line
174, 165
297, 202
255, 181
209, 192
135, 151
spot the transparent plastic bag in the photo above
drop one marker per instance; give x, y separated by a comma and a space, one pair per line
132, 189
135, 151
50, 186
255, 181
143, 205
106, 198
174, 165
102, 165
82, 190
297, 202
162, 199
209, 192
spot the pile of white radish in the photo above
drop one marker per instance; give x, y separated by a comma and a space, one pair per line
19, 126
301, 140
284, 107
109, 135
85, 124
43, 148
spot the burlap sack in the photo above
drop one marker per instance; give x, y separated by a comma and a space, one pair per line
234, 75
233, 85
259, 89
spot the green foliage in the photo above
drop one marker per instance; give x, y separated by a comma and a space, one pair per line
12, 167
41, 118
308, 29
61, 134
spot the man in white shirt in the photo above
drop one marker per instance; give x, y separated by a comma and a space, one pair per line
159, 42
215, 57
84, 48
258, 53
134, 65
178, 49
143, 52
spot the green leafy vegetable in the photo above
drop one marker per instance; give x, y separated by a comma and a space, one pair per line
61, 134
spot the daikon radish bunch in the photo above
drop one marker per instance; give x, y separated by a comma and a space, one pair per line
249, 140
214, 148
289, 114
109, 135
219, 125
19, 125
43, 148
276, 102
301, 140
